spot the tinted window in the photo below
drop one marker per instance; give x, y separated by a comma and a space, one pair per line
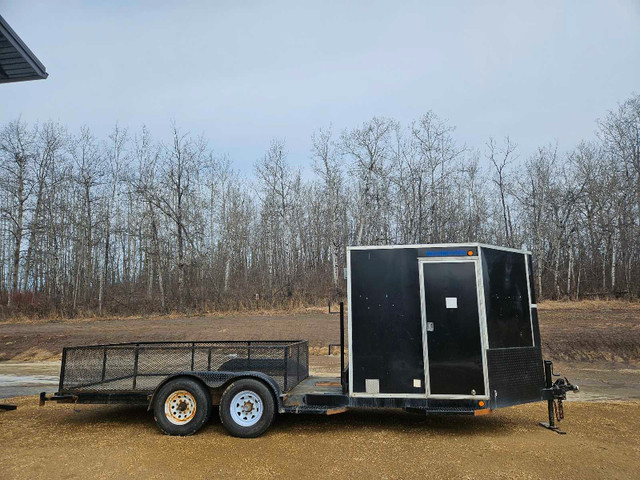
507, 299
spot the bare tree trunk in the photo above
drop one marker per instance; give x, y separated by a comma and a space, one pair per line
149, 276
613, 266
32, 240
604, 270
163, 297
569, 272
556, 272
101, 280
227, 273
180, 266
17, 244
539, 275
334, 265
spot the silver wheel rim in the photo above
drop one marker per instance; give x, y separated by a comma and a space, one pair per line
180, 407
246, 408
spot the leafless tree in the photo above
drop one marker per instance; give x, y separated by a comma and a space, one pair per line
135, 225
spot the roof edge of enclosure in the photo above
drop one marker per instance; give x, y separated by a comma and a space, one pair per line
439, 245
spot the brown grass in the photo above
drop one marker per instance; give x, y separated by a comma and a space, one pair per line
589, 330
590, 305
265, 312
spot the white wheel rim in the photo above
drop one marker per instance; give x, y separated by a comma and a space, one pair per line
246, 408
180, 407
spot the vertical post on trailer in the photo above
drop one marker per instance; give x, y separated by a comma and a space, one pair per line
555, 392
552, 393
62, 369
104, 362
286, 361
548, 380
135, 365
342, 379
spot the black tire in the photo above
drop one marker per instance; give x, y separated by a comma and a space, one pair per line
195, 405
231, 421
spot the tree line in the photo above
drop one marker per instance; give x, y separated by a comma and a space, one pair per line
131, 224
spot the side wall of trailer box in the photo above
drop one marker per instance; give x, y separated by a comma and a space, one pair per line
443, 322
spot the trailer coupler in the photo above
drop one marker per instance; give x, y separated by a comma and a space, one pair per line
555, 393
57, 398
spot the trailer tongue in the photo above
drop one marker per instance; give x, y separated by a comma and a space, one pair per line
437, 329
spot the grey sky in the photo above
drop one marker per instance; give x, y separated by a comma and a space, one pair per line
244, 72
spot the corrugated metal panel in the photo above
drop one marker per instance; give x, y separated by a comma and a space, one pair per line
17, 62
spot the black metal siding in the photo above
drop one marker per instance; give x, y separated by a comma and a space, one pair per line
515, 375
386, 321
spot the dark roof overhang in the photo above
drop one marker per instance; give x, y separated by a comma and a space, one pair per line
17, 62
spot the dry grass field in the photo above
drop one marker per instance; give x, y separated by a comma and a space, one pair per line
591, 330
575, 331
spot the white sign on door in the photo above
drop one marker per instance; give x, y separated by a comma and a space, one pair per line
452, 302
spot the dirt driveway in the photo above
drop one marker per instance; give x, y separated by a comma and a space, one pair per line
120, 442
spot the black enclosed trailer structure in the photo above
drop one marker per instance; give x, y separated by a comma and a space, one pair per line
436, 329
449, 323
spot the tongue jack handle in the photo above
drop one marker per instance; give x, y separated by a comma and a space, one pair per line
554, 393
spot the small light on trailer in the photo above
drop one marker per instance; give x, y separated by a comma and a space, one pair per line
481, 403
470, 252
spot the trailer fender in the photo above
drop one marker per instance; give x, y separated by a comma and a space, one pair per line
220, 380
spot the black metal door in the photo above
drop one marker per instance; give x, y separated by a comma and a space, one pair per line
452, 328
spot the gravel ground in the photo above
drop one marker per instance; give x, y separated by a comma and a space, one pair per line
118, 442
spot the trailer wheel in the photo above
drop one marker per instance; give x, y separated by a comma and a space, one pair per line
247, 408
181, 407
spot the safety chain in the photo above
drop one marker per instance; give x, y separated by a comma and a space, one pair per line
558, 409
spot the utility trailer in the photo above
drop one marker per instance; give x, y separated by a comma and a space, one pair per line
448, 329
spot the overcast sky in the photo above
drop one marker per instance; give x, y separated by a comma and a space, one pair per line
242, 73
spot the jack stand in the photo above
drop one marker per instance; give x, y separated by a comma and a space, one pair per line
551, 425
555, 392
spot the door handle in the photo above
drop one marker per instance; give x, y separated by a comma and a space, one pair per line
430, 327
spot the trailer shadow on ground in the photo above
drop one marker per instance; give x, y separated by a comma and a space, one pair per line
396, 421
114, 416
386, 420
